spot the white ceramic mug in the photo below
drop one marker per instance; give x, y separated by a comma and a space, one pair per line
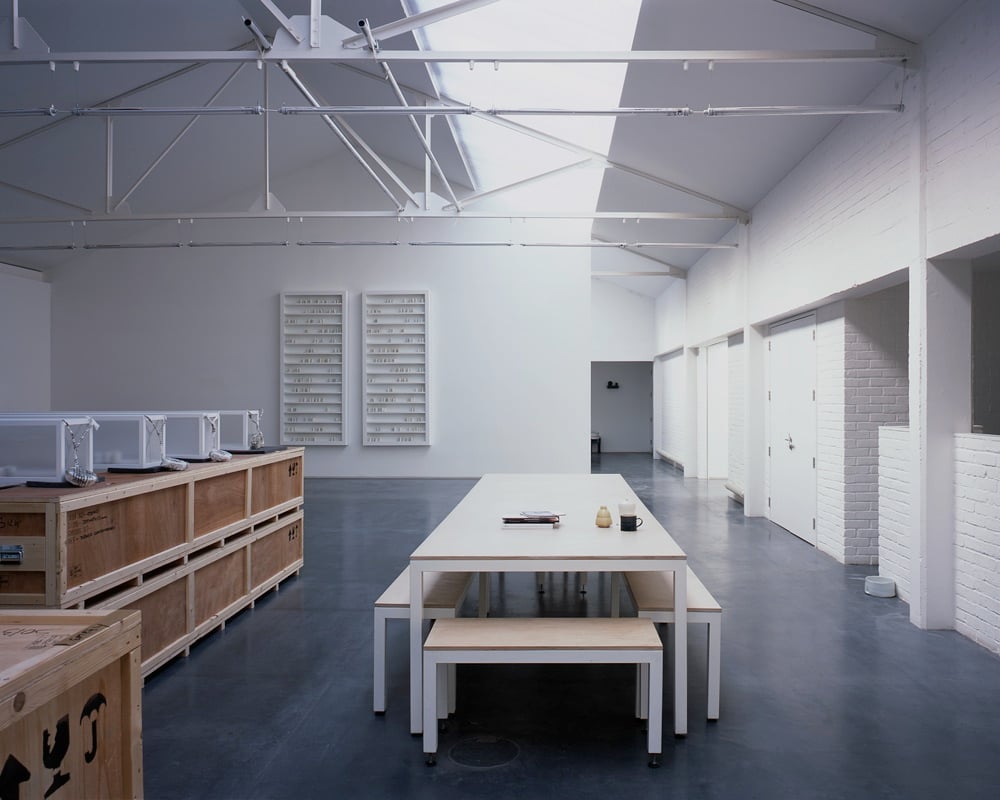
626, 509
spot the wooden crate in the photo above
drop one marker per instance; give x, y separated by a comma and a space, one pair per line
179, 546
70, 704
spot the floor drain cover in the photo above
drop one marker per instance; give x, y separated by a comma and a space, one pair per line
484, 751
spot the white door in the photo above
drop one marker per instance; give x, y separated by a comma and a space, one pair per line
792, 426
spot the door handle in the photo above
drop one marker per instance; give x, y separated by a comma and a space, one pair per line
789, 440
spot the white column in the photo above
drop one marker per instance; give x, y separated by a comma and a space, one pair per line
940, 406
755, 414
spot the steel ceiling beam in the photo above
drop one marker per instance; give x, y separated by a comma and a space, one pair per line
600, 158
424, 143
415, 21
474, 198
401, 216
674, 270
281, 19
882, 37
340, 135
470, 57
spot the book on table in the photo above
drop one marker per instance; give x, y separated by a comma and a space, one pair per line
532, 519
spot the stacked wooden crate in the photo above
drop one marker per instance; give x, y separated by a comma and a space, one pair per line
189, 549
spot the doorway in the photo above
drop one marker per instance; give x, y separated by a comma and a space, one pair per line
621, 405
792, 426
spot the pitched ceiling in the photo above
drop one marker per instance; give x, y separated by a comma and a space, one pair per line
56, 167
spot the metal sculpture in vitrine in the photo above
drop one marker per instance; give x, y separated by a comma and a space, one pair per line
78, 475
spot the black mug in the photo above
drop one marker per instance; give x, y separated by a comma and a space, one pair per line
631, 523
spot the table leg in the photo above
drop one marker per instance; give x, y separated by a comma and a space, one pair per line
680, 650
416, 647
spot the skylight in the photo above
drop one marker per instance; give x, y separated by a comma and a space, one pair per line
499, 156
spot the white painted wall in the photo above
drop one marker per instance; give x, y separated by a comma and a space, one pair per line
621, 323
623, 416
671, 318
894, 551
509, 345
26, 355
716, 286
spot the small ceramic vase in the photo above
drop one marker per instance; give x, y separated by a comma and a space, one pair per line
603, 517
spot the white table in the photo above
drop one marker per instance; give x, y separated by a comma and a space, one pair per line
472, 538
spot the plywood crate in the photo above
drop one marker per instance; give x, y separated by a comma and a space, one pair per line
163, 544
70, 704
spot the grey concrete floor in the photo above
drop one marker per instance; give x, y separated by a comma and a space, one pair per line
826, 692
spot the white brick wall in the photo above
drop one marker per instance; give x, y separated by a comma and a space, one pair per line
830, 439
845, 215
963, 127
737, 412
876, 394
977, 538
861, 384
894, 507
673, 388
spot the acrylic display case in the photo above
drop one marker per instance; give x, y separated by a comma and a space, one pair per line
240, 430
126, 441
191, 435
39, 449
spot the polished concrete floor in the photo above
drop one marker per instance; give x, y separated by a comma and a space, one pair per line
826, 692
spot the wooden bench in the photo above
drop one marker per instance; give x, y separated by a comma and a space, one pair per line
543, 640
653, 596
443, 594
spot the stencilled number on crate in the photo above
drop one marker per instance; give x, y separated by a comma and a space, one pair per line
293, 533
9, 522
293, 469
54, 750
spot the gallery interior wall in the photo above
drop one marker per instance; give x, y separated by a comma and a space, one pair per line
25, 357
199, 328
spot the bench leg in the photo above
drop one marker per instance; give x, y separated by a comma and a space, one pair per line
431, 682
616, 594
655, 707
380, 662
484, 594
642, 691
540, 581
452, 687
714, 666
443, 691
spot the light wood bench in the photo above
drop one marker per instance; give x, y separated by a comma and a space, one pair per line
543, 640
653, 596
443, 594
